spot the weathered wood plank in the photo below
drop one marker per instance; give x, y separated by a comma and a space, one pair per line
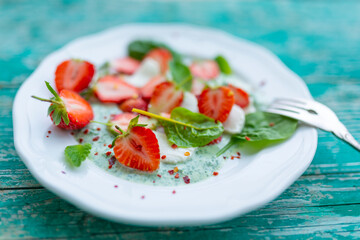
323, 50
316, 203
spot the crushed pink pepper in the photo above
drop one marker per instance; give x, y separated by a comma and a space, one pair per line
86, 131
116, 186
173, 192
186, 179
143, 197
159, 175
112, 161
171, 172
96, 138
49, 132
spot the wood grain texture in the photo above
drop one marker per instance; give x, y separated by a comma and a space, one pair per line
319, 40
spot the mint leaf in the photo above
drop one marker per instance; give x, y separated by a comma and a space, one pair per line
139, 48
223, 65
181, 75
76, 154
262, 128
202, 129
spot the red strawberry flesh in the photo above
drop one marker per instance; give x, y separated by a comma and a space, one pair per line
114, 89
206, 70
165, 98
139, 150
216, 103
126, 65
74, 75
241, 97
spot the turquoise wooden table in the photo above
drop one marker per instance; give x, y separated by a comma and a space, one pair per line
319, 40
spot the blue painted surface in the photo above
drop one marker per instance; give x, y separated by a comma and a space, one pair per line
319, 40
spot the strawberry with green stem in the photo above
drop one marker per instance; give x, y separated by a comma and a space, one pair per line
137, 147
68, 110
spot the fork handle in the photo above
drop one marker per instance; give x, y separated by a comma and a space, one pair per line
347, 137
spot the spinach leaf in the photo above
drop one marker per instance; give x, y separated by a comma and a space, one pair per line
204, 129
223, 65
187, 129
181, 75
139, 48
262, 128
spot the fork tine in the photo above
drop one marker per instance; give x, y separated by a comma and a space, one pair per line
293, 100
288, 102
283, 112
289, 108
296, 115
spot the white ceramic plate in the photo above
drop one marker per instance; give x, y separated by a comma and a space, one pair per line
240, 187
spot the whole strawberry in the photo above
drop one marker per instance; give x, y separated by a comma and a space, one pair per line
68, 110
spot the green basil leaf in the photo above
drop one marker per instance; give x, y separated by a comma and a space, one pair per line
200, 131
223, 65
76, 154
139, 48
181, 75
262, 128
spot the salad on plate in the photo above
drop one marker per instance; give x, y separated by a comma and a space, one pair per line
158, 117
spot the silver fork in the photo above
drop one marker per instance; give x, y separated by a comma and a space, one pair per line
315, 114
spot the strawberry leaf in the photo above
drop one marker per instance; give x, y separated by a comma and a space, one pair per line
51, 108
56, 116
57, 97
76, 154
65, 116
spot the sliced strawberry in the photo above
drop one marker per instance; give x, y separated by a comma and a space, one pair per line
216, 103
206, 70
162, 56
126, 65
197, 87
241, 97
68, 110
165, 98
139, 149
148, 89
131, 103
74, 75
122, 120
115, 90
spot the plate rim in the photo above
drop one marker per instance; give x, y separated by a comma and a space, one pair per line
20, 149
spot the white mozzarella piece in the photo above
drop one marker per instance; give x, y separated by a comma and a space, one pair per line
190, 102
172, 155
235, 121
148, 69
